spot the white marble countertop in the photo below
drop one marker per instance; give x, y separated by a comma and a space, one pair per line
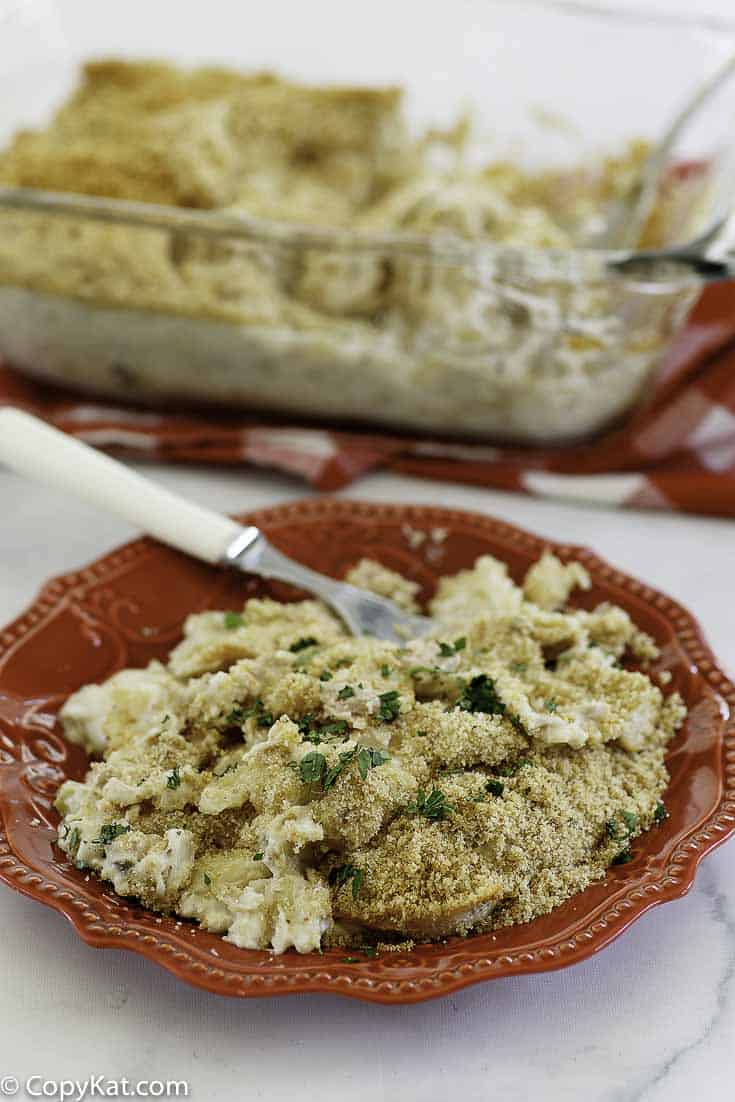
650, 1018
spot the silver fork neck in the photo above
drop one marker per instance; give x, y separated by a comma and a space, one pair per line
252, 552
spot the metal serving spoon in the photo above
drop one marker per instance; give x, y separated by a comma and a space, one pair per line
627, 217
34, 449
710, 257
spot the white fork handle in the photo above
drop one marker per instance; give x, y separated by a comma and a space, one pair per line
33, 448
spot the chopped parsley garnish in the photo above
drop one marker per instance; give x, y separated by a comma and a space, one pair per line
303, 644
312, 767
173, 780
446, 650
422, 734
233, 620
331, 776
660, 813
495, 788
256, 710
629, 825
340, 665
258, 856
390, 706
386, 670
343, 874
345, 693
110, 831
368, 758
434, 806
616, 834
326, 675
207, 879
312, 731
551, 704
480, 696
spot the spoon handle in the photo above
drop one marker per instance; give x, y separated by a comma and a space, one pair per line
34, 449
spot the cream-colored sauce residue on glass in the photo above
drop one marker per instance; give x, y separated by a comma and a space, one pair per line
504, 346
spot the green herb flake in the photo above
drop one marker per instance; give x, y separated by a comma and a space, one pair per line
207, 880
256, 711
614, 830
173, 780
345, 693
551, 705
623, 857
343, 874
386, 670
390, 706
480, 695
330, 778
233, 620
660, 813
110, 831
495, 788
258, 856
312, 767
303, 644
326, 675
422, 734
435, 806
369, 758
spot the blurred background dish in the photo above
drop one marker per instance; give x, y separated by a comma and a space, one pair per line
394, 280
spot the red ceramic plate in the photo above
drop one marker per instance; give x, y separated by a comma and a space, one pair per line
129, 607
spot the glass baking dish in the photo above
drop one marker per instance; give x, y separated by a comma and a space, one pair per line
175, 306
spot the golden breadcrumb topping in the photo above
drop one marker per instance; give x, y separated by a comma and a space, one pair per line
287, 785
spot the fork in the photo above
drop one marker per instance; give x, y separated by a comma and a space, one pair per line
34, 449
